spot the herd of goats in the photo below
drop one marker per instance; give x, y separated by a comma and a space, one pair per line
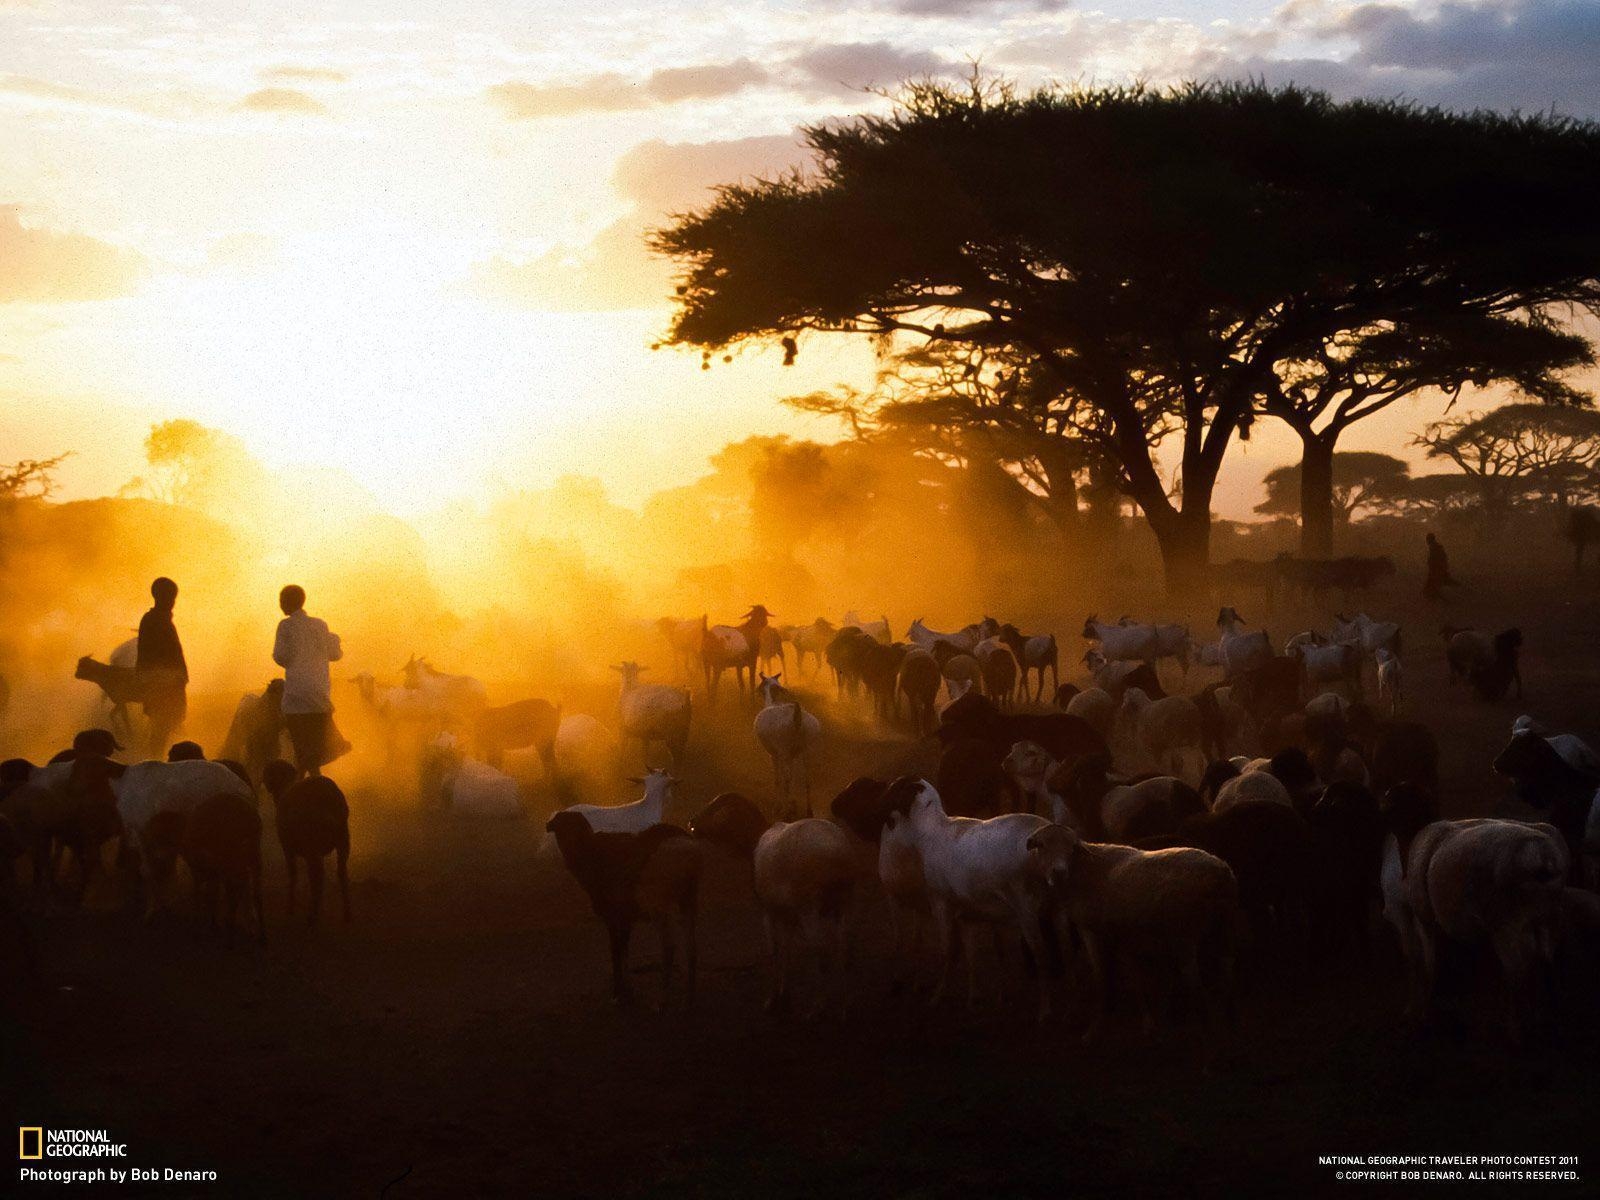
1150, 839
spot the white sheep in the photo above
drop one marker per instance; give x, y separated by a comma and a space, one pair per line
475, 789
1165, 732
1337, 663
653, 712
1172, 912
650, 809
147, 788
975, 872
1491, 881
1389, 680
788, 734
1096, 706
1254, 782
1123, 643
1370, 635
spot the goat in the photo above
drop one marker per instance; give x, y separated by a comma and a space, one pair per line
650, 809
1388, 678
1241, 652
1123, 643
736, 648
1063, 735
877, 630
652, 872
686, 639
788, 734
516, 727
1033, 653
812, 639
1489, 664
918, 681
653, 712
1547, 781
312, 821
1167, 732
221, 845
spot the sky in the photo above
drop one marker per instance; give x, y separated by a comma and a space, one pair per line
404, 239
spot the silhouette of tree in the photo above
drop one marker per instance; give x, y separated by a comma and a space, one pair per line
1521, 450
30, 478
1156, 253
1362, 480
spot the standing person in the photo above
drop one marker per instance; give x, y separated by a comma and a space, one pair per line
304, 648
1439, 576
160, 669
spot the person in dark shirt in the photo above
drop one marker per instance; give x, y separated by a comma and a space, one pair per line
1439, 576
160, 668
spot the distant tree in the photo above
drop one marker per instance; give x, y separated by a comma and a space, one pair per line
30, 478
1159, 255
1519, 451
1362, 480
200, 467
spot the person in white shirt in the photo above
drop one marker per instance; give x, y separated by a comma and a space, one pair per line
304, 648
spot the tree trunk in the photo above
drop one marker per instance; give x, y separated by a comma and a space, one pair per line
1184, 538
1316, 497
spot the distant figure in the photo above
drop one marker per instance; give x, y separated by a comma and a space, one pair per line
304, 648
160, 669
1439, 576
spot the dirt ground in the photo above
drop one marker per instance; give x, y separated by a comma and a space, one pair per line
457, 1039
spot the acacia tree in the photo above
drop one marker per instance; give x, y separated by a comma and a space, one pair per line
1521, 449
1361, 479
1156, 253
30, 478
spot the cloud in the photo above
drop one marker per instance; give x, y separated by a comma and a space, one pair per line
614, 270
852, 66
295, 74
42, 266
612, 92
283, 100
970, 8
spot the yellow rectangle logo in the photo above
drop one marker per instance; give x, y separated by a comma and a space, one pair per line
30, 1135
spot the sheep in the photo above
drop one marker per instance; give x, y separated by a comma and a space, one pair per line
71, 805
147, 788
1097, 707
1241, 652
975, 871
1389, 680
1225, 726
877, 630
221, 845
847, 654
1348, 828
685, 638
584, 747
1337, 664
1489, 881
918, 681
1033, 653
1123, 643
1396, 751
256, 731
1366, 634
812, 639
999, 668
1488, 664
652, 872
789, 735
1166, 731
1170, 911
971, 780
1063, 735
733, 647
961, 668
516, 727
1548, 782
1229, 787
962, 640
880, 674
650, 809
1574, 751
1085, 798
653, 712
312, 821
1117, 677
805, 874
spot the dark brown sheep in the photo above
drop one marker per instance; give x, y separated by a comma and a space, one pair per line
313, 821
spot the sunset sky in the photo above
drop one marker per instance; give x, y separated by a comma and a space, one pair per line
402, 239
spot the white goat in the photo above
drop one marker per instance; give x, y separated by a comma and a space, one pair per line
650, 809
1389, 679
975, 872
877, 630
1240, 651
788, 734
1123, 643
1166, 732
1361, 630
653, 712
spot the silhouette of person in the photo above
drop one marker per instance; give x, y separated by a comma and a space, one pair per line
304, 647
1439, 576
160, 669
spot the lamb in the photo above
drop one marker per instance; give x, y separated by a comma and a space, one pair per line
660, 788
805, 874
312, 821
516, 727
1166, 731
1123, 643
918, 681
975, 872
1169, 911
1388, 678
220, 842
653, 712
1488, 664
652, 872
1488, 881
1033, 653
789, 735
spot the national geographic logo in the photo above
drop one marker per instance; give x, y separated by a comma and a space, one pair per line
34, 1142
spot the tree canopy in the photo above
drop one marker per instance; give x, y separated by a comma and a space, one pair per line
1362, 479
1519, 450
1161, 256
